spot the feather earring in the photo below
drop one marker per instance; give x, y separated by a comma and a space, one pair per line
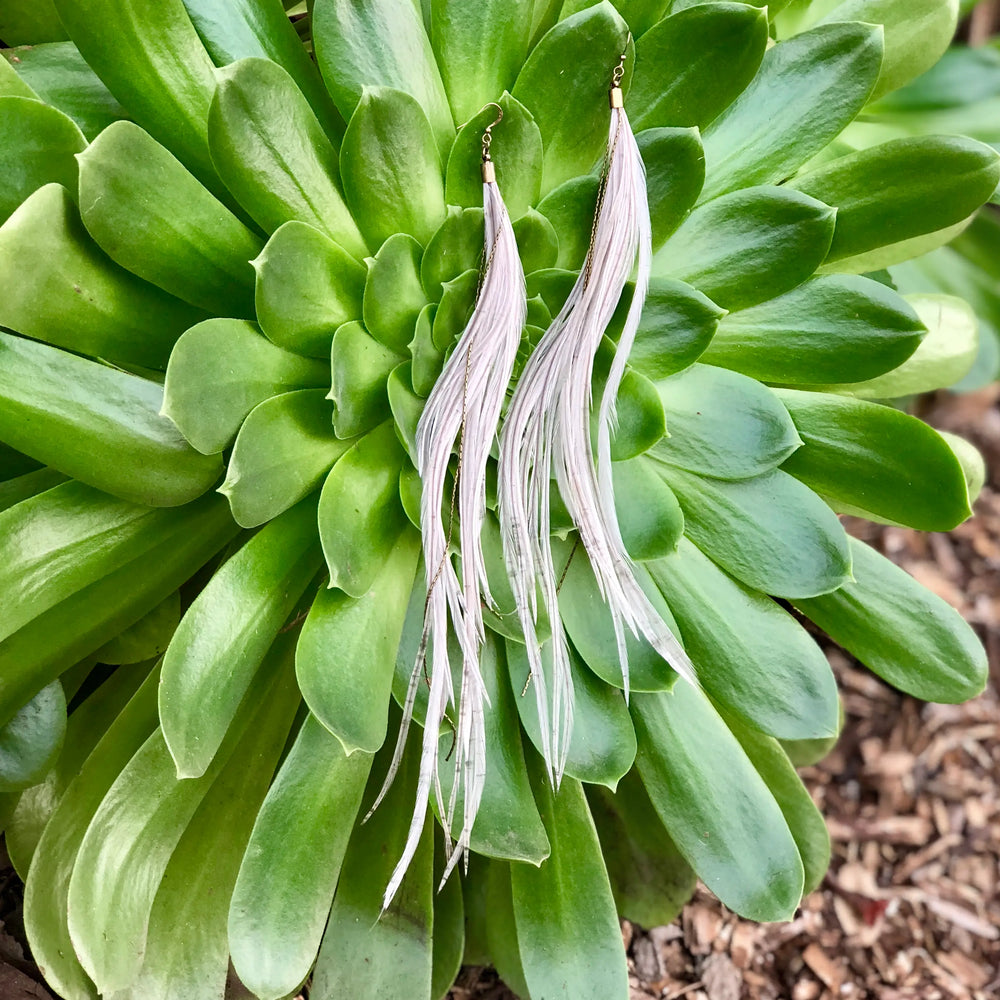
463, 411
547, 432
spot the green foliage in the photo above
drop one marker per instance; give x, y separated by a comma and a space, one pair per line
226, 268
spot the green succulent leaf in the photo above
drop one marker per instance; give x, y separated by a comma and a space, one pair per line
148, 638
153, 218
108, 432
675, 172
873, 458
602, 745
454, 249
47, 884
537, 242
360, 517
516, 155
723, 424
31, 739
902, 631
770, 532
359, 369
220, 370
225, 635
366, 952
346, 657
480, 47
394, 295
273, 154
288, 875
751, 656
570, 208
838, 328
924, 184
749, 246
650, 879
808, 89
28, 21
307, 286
428, 358
449, 928
576, 57
47, 142
714, 51
649, 516
57, 74
163, 77
14, 491
715, 806
282, 453
457, 302
62, 289
361, 45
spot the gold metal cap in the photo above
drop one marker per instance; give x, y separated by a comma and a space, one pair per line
615, 98
489, 172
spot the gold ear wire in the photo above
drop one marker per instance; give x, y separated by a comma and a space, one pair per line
489, 172
615, 93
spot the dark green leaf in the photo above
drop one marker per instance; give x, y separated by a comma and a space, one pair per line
359, 368
716, 807
537, 241
876, 460
749, 246
220, 370
675, 172
154, 219
455, 248
60, 287
148, 638
649, 516
394, 295
31, 739
283, 451
29, 21
570, 209
457, 302
449, 929
899, 629
711, 52
108, 433
838, 328
307, 285
14, 491
273, 154
406, 408
749, 654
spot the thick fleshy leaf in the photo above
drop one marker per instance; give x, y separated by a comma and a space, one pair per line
567, 927
27, 21
876, 459
79, 625
590, 627
406, 408
307, 285
225, 635
804, 820
501, 944
56, 73
107, 432
749, 654
808, 89
392, 173
716, 807
677, 325
449, 929
749, 246
457, 302
394, 295
712, 51
576, 57
148, 638
360, 517
516, 155
31, 739
59, 287
345, 32
640, 421
944, 357
154, 219
537, 242
244, 28
649, 516
220, 370
187, 948
455, 248
128, 845
347, 652
602, 745
359, 369
771, 532
902, 631
570, 209
164, 77
843, 324
924, 185
47, 142
366, 955
14, 491
480, 48
650, 879
47, 888
723, 424
273, 154
282, 452
675, 173
287, 879
428, 358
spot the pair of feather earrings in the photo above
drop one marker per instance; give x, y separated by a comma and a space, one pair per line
545, 433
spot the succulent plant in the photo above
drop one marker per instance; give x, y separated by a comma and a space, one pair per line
228, 279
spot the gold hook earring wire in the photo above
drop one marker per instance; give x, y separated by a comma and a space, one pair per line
489, 172
615, 96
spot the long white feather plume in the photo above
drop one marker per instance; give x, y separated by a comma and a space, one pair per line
463, 409
547, 431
